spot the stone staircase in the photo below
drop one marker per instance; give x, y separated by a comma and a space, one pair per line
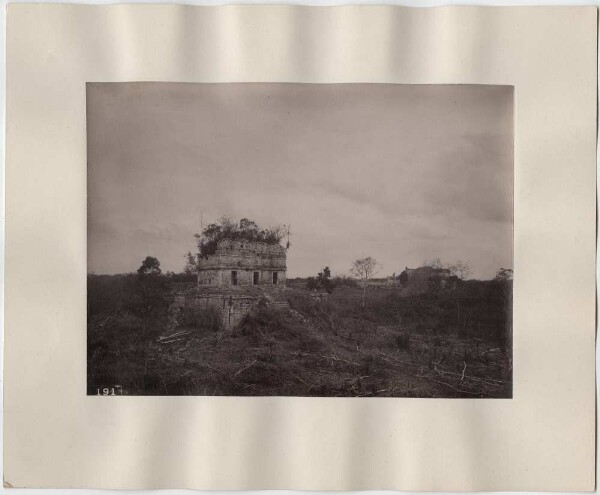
276, 297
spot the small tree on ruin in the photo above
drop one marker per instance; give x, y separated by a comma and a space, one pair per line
191, 264
244, 230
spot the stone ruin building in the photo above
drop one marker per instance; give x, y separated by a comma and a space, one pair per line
243, 263
424, 279
236, 279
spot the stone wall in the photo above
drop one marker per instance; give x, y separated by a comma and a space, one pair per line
244, 277
243, 262
232, 306
208, 277
426, 278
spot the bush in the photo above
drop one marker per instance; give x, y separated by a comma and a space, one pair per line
402, 341
343, 281
311, 283
184, 278
263, 320
140, 295
302, 303
105, 293
322, 281
202, 319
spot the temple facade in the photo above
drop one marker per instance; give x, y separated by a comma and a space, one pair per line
243, 263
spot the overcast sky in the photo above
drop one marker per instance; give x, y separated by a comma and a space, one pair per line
402, 173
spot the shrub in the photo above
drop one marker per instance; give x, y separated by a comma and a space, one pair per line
302, 303
343, 281
245, 230
184, 278
402, 341
263, 320
311, 283
367, 364
105, 293
203, 319
322, 281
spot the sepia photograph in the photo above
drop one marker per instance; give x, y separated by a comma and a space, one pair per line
314, 240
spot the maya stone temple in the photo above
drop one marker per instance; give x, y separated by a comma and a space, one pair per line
243, 263
235, 277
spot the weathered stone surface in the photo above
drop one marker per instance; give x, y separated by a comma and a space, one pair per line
235, 279
426, 278
243, 263
232, 303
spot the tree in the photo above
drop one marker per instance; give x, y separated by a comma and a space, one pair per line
191, 264
460, 270
435, 263
150, 266
364, 269
249, 229
244, 230
503, 280
150, 284
504, 275
322, 281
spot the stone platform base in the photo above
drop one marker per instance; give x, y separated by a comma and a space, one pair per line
233, 304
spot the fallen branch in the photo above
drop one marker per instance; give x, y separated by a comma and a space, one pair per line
181, 334
298, 378
245, 368
170, 341
211, 367
449, 385
397, 361
490, 381
335, 358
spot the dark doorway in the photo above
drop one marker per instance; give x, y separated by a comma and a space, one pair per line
255, 278
233, 277
274, 278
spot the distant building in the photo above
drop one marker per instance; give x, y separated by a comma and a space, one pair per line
426, 278
243, 263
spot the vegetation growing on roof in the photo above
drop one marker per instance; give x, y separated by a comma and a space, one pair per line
244, 230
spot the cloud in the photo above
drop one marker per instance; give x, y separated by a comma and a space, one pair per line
402, 173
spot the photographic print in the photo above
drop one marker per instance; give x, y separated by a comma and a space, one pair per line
324, 240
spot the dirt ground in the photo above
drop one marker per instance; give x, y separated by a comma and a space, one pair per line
383, 346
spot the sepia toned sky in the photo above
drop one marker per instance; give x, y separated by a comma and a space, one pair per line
403, 173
